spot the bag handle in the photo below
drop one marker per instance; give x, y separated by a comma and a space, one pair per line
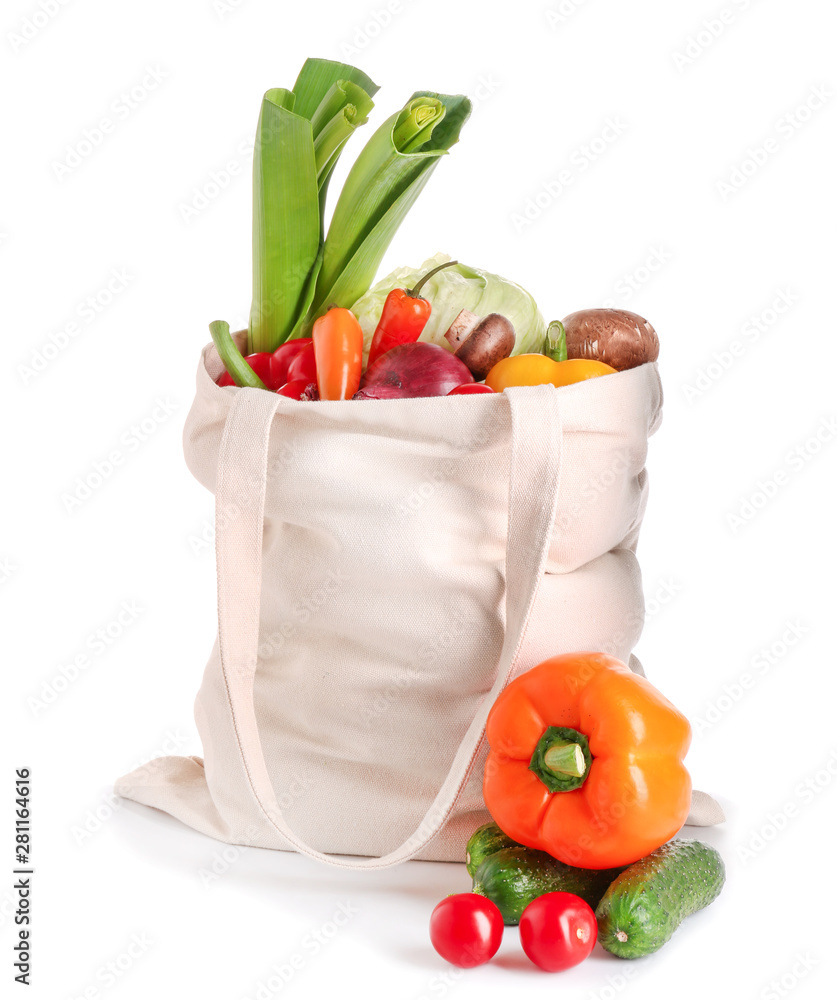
533, 494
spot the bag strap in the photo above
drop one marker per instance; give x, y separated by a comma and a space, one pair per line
533, 494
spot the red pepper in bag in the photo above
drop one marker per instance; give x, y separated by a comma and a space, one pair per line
404, 316
303, 364
261, 365
273, 369
284, 356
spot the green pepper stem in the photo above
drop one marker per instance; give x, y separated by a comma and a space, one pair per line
566, 758
555, 344
237, 366
413, 293
561, 759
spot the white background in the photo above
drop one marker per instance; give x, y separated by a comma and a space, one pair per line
547, 76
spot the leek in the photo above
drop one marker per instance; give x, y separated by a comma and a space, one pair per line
382, 186
292, 165
298, 271
286, 219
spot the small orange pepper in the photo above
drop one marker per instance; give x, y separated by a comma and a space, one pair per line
586, 762
338, 351
538, 369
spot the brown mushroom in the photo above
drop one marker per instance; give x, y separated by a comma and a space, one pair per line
620, 338
481, 343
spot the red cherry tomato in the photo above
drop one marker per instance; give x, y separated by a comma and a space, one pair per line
260, 363
304, 365
466, 929
557, 931
283, 358
470, 389
300, 388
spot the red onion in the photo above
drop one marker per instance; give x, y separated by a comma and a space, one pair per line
411, 370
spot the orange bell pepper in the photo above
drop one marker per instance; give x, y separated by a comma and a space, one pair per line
538, 369
586, 762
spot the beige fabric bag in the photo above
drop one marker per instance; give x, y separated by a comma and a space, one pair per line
384, 568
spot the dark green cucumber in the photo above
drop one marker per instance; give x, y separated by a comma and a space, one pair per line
647, 903
485, 841
513, 876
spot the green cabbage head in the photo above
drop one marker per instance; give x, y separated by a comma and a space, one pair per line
449, 291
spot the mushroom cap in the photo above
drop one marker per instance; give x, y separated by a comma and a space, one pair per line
620, 338
491, 340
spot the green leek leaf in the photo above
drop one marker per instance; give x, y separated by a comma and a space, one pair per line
286, 219
343, 109
415, 124
316, 79
382, 186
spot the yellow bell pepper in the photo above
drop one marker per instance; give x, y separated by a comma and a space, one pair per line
538, 369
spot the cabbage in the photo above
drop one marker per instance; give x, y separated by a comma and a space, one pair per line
453, 289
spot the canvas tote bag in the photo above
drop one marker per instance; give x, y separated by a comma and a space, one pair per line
384, 569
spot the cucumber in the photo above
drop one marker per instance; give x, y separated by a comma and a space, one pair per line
647, 903
485, 841
513, 876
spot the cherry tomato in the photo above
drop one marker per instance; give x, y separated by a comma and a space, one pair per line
470, 389
283, 358
466, 929
261, 365
304, 365
557, 931
300, 388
